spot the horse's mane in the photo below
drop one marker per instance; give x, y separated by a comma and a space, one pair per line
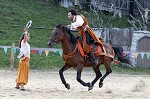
64, 28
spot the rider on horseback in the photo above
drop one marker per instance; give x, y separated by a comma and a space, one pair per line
81, 24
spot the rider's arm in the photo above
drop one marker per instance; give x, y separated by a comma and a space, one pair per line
79, 22
25, 36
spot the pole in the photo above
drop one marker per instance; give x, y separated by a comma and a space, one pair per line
131, 9
12, 57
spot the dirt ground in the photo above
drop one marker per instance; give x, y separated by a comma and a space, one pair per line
47, 85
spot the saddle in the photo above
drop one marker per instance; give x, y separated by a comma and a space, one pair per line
96, 48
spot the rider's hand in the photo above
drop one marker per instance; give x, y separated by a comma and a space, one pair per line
25, 29
68, 26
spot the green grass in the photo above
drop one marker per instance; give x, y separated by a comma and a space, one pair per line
130, 70
45, 15
53, 60
14, 14
19, 12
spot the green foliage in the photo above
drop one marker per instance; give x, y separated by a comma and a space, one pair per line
4, 58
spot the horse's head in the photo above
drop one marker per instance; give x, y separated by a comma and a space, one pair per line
57, 36
61, 33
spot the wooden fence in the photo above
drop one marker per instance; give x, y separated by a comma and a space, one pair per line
116, 36
122, 4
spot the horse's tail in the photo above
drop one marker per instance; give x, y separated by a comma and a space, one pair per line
119, 53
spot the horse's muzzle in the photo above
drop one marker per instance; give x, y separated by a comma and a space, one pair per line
51, 43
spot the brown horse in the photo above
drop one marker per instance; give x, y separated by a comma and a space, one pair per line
73, 58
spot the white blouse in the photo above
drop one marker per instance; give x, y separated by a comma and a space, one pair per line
25, 49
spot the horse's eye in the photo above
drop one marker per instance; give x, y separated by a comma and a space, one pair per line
56, 33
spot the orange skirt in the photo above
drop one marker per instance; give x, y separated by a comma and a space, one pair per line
23, 70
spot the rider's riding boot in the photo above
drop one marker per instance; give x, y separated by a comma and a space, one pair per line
95, 60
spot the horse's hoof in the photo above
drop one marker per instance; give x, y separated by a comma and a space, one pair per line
100, 85
90, 86
67, 86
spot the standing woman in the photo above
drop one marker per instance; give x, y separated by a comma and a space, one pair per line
23, 66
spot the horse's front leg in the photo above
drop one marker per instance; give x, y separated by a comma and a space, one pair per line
65, 67
79, 71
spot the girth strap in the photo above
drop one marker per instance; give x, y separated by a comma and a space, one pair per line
72, 54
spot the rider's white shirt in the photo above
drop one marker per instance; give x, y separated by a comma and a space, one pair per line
79, 22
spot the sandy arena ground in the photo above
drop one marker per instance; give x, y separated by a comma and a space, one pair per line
47, 85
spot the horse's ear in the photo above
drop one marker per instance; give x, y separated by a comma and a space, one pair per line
65, 28
59, 26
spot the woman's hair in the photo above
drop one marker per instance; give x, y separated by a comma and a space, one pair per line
21, 38
73, 12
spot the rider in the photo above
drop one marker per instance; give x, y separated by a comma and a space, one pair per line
80, 23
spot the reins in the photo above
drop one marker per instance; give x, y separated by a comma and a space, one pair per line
72, 54
56, 38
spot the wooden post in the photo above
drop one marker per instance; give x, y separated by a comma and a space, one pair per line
12, 57
131, 9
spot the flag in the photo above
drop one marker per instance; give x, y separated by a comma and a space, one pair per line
142, 55
46, 52
5, 49
33, 51
40, 52
19, 50
60, 53
148, 55
136, 55
14, 50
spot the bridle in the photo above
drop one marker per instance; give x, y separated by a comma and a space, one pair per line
65, 56
60, 33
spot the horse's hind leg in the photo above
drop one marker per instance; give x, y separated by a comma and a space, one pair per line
107, 61
98, 75
65, 67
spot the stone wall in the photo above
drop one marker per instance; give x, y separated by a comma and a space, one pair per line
137, 35
116, 36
